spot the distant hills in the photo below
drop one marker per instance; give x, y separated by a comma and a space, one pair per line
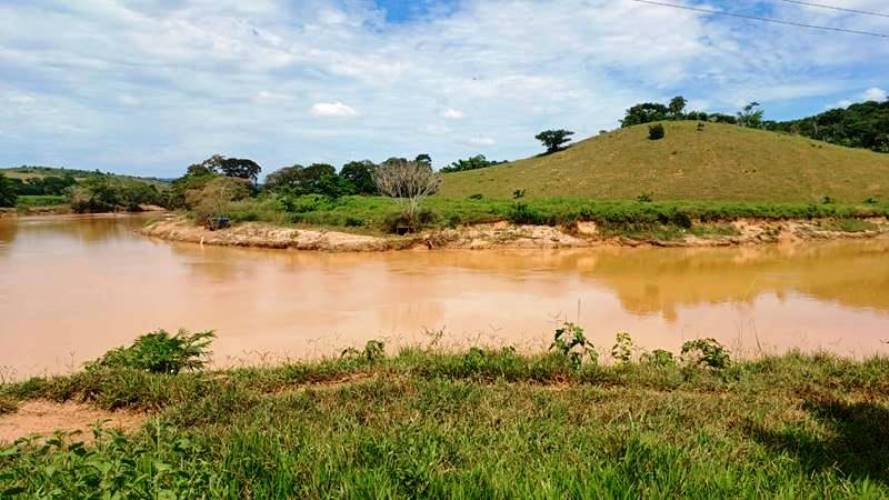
28, 171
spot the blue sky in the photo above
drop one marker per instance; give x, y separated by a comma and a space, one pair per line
150, 86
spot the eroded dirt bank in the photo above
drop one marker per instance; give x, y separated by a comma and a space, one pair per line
500, 235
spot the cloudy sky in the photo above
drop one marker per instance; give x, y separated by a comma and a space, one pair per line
150, 86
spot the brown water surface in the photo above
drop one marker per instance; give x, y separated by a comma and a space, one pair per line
72, 288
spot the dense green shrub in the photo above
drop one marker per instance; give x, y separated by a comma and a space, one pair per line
8, 193
160, 352
106, 193
656, 132
402, 222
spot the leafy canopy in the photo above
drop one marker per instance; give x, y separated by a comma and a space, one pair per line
554, 140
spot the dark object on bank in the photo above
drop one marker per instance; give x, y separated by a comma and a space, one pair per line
214, 223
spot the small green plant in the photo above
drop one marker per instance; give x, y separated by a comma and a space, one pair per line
518, 194
354, 221
160, 352
871, 201
827, 200
623, 348
374, 350
707, 352
403, 222
522, 213
570, 341
476, 196
656, 132
646, 197
659, 358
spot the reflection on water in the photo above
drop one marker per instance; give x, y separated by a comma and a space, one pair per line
72, 288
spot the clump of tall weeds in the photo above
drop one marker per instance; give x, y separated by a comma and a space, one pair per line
160, 352
623, 348
374, 350
706, 352
570, 341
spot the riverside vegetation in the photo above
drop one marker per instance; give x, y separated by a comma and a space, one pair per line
481, 423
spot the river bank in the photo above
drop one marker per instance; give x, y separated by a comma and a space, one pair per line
506, 235
447, 425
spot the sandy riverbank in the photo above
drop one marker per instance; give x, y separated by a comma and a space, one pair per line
495, 235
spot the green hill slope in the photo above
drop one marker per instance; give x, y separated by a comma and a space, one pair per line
30, 172
721, 162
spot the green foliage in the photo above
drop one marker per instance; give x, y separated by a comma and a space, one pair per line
357, 177
706, 352
750, 116
623, 348
50, 185
374, 351
645, 112
484, 422
240, 168
861, 125
472, 163
402, 222
659, 358
160, 352
8, 193
570, 341
656, 132
646, 197
318, 178
214, 199
522, 213
554, 140
31, 201
107, 193
677, 107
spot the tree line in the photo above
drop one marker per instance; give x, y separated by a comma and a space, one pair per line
860, 125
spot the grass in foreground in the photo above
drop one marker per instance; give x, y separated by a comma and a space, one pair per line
483, 423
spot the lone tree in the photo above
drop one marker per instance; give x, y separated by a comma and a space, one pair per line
554, 139
241, 168
409, 182
677, 107
751, 116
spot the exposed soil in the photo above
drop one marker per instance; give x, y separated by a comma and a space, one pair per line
492, 236
43, 418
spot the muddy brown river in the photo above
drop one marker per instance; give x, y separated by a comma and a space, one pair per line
72, 288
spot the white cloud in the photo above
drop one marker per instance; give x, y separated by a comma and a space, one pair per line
238, 77
875, 94
129, 100
871, 94
452, 114
332, 109
481, 141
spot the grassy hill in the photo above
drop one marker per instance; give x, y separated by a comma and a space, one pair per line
31, 172
721, 162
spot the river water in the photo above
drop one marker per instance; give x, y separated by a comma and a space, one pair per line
73, 287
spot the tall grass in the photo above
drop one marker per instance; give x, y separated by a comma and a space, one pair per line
371, 213
481, 423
